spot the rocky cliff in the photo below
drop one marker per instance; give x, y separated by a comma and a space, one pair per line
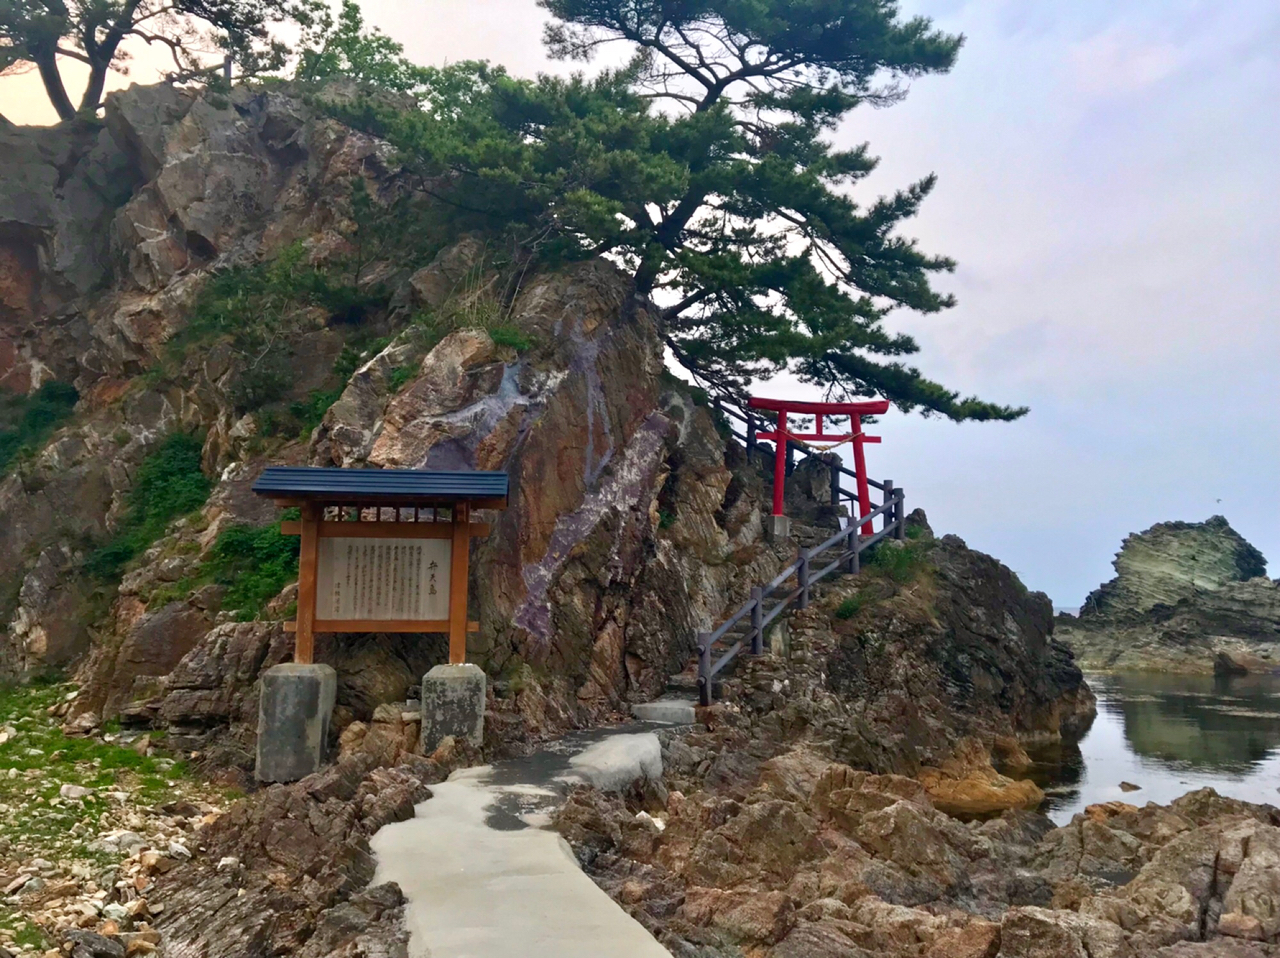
1187, 597
197, 267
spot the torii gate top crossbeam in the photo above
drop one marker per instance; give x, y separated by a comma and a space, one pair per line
871, 407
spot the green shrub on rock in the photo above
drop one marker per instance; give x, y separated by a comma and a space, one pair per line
253, 562
169, 484
26, 422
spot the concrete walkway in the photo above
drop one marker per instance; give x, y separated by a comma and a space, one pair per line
485, 879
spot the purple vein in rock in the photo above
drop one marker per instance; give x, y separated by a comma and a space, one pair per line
640, 458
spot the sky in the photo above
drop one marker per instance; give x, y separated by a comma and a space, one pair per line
1108, 183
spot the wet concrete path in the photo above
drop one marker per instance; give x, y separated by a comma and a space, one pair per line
483, 876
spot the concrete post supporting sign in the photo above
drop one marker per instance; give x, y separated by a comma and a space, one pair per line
293, 720
453, 698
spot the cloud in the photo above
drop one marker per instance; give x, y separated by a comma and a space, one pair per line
1116, 62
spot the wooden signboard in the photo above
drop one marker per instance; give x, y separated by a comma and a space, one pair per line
383, 580
378, 576
383, 550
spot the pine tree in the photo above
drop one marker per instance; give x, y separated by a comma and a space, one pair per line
36, 33
704, 168
341, 46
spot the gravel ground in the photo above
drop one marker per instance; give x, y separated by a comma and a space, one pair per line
90, 817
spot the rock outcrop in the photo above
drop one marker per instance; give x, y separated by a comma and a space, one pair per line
287, 873
1187, 597
797, 855
930, 663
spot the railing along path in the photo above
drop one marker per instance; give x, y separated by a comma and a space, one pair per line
842, 551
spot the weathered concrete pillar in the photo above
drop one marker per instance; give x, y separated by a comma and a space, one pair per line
453, 698
293, 720
777, 528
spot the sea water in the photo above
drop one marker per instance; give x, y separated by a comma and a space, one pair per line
1168, 734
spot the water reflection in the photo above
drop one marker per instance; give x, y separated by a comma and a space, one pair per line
1168, 734
1231, 724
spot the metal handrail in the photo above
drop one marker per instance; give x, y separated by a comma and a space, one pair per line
851, 543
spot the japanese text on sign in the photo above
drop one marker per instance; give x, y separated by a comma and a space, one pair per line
383, 579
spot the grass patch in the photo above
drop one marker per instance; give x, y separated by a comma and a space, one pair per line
850, 606
26, 422
169, 484
510, 337
902, 564
37, 759
253, 562
310, 411
399, 376
244, 300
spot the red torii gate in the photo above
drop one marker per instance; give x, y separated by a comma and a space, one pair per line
820, 410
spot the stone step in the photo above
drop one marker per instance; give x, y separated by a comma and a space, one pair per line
668, 710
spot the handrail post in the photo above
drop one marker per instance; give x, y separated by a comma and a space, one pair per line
890, 500
704, 668
757, 615
751, 436
835, 482
900, 510
851, 546
802, 576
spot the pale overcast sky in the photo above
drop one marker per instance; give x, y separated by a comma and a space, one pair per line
1108, 184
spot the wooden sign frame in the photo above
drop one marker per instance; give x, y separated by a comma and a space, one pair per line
312, 527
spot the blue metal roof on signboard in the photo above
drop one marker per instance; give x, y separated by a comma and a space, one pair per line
358, 485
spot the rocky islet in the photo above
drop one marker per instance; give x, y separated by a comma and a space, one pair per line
1187, 597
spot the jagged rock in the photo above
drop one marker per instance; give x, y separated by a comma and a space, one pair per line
453, 273
1251, 907
1187, 597
1218, 948
962, 651
1173, 561
46, 628
967, 784
60, 187
152, 648
142, 121
1031, 932
87, 944
305, 849
370, 925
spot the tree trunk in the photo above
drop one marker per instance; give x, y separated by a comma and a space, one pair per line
93, 92
47, 62
101, 55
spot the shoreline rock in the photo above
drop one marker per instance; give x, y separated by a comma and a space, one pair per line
801, 856
1187, 598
